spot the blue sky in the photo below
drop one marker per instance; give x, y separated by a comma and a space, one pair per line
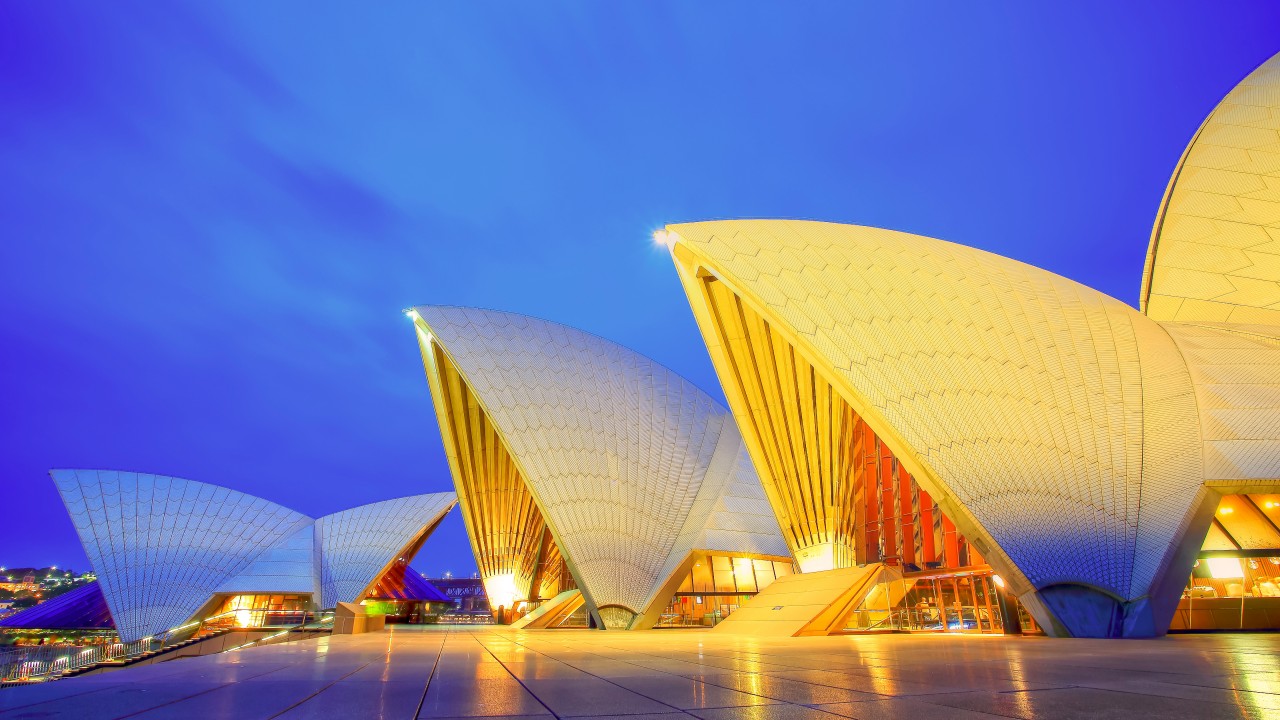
213, 215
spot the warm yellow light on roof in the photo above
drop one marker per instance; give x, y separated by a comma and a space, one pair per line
1225, 511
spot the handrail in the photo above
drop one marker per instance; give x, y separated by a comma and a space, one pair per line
36, 663
325, 619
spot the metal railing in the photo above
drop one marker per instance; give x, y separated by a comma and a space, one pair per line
319, 621
41, 662
35, 663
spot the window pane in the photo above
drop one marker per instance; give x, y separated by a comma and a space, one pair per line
743, 576
702, 576
723, 568
687, 585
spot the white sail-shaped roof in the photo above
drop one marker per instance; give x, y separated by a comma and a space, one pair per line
357, 546
619, 452
162, 545
1213, 279
1056, 425
286, 567
1215, 247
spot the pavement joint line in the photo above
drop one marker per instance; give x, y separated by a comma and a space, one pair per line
941, 691
713, 684
970, 679
513, 677
562, 662
1218, 687
202, 692
6, 711
1068, 687
326, 687
434, 666
41, 702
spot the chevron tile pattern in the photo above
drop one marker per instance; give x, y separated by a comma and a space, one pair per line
161, 545
1013, 396
1236, 373
357, 546
1215, 249
517, 558
615, 449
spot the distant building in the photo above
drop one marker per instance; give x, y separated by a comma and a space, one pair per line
28, 584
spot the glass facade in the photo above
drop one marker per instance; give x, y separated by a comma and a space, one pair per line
1235, 584
716, 586
932, 579
963, 600
251, 610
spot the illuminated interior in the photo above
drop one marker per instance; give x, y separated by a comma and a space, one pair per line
841, 496
1235, 584
716, 585
250, 610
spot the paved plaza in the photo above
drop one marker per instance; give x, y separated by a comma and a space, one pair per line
661, 675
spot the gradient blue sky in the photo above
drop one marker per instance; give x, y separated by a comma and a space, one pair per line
212, 217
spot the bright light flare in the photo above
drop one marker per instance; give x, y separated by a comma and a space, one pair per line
1225, 568
501, 590
664, 238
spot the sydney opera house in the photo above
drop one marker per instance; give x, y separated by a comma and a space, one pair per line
941, 410
919, 437
939, 437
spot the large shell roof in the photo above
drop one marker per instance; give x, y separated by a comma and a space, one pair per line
162, 546
1059, 423
630, 463
357, 545
1215, 249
